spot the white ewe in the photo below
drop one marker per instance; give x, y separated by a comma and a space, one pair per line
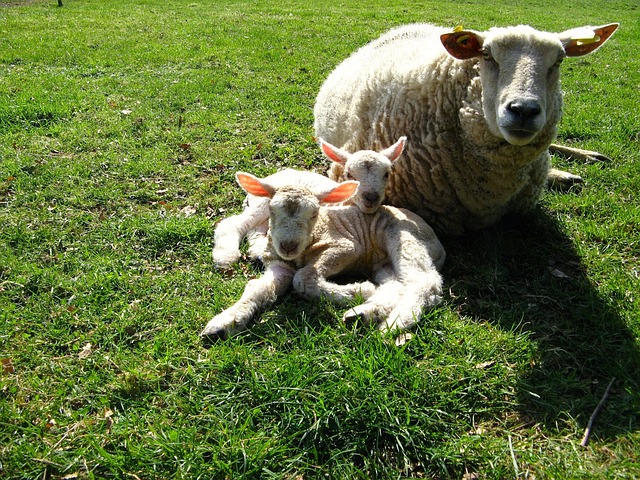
480, 110
369, 168
309, 243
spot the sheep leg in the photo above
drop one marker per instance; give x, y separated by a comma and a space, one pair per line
230, 231
380, 304
570, 153
422, 292
561, 180
311, 282
258, 294
258, 240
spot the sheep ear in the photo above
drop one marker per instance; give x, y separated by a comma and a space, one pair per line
341, 193
580, 41
462, 44
333, 153
395, 150
253, 185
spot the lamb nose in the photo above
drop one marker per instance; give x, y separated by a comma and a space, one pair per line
288, 246
371, 197
525, 108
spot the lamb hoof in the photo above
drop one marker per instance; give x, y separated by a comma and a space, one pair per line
351, 317
210, 335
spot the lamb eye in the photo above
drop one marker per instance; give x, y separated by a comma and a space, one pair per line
386, 175
350, 177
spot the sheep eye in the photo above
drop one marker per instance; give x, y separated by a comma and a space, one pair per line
349, 176
486, 54
556, 65
386, 175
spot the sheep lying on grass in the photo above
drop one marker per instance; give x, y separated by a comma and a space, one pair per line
370, 168
309, 243
480, 110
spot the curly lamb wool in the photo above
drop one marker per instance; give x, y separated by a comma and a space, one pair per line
480, 110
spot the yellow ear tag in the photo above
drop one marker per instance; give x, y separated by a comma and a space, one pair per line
587, 41
585, 37
459, 28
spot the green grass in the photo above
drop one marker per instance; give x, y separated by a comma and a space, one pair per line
121, 126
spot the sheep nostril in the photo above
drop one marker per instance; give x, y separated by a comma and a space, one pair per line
525, 108
371, 197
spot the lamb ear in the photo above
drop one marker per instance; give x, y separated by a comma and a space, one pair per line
395, 150
333, 153
253, 185
462, 44
341, 193
580, 41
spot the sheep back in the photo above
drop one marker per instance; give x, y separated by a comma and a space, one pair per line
454, 173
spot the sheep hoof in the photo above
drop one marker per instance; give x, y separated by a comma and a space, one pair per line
363, 314
210, 334
562, 181
351, 317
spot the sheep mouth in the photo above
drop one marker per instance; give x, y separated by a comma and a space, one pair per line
519, 136
368, 207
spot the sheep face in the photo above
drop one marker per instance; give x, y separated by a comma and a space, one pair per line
520, 83
519, 71
370, 168
293, 213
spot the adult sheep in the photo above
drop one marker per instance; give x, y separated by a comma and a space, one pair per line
480, 110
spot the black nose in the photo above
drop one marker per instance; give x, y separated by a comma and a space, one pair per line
371, 197
525, 109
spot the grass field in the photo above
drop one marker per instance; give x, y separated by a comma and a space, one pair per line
121, 126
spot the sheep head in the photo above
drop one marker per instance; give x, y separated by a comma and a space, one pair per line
370, 168
293, 211
519, 71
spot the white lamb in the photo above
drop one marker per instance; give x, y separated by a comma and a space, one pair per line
309, 243
368, 167
480, 110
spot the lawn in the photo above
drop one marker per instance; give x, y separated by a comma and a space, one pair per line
122, 124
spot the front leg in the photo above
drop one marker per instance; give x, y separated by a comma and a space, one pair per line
258, 294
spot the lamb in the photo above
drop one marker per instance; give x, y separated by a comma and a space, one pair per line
370, 168
480, 110
308, 243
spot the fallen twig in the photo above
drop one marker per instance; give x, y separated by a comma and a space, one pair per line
587, 431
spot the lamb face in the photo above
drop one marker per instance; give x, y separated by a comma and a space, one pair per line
372, 171
293, 213
369, 167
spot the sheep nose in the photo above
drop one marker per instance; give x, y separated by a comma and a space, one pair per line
288, 246
371, 197
525, 108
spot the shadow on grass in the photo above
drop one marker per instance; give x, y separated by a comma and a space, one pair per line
525, 275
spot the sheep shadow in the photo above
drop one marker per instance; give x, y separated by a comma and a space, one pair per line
525, 275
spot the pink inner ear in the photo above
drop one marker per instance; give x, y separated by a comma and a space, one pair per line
341, 193
252, 185
393, 152
329, 151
